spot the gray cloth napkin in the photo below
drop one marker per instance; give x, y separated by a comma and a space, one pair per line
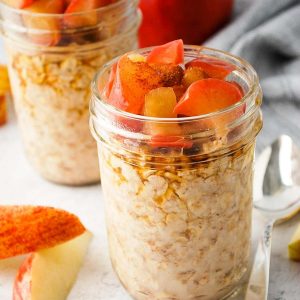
267, 34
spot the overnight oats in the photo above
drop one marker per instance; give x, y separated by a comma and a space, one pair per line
54, 48
176, 131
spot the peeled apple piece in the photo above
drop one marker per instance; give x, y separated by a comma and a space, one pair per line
294, 246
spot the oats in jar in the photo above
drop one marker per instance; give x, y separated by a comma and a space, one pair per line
177, 169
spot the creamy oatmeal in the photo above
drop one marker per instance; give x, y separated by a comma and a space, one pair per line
52, 94
177, 232
53, 53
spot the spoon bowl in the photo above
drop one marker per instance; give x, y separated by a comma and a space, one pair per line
277, 198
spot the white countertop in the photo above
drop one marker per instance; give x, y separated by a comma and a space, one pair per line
19, 184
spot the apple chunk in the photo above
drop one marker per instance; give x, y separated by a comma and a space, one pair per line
212, 66
294, 246
133, 78
24, 229
50, 273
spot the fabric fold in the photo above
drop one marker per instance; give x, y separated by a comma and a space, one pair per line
268, 36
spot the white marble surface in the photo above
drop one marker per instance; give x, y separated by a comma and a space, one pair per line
19, 184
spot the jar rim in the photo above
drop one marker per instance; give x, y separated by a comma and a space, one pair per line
251, 93
89, 47
103, 9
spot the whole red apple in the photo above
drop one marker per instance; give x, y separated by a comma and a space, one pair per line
191, 20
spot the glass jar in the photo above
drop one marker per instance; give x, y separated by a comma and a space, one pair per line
51, 67
179, 215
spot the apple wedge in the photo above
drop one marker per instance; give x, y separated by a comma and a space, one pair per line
25, 229
294, 246
50, 273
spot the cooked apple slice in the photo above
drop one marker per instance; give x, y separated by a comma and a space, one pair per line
294, 246
213, 67
210, 95
133, 81
50, 24
179, 91
18, 3
160, 103
170, 53
206, 96
133, 78
134, 57
193, 74
24, 229
79, 6
170, 74
50, 273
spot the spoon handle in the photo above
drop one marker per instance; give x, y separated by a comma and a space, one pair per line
259, 279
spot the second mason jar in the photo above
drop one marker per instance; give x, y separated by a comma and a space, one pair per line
179, 218
51, 67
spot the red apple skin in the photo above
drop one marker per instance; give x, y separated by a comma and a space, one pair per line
22, 287
191, 20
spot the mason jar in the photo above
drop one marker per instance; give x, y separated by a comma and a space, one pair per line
51, 66
178, 215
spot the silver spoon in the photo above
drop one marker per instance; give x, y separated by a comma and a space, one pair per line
277, 199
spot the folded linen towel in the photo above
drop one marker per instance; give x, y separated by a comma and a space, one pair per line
267, 34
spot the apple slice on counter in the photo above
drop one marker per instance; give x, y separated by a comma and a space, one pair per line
49, 274
25, 229
294, 246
